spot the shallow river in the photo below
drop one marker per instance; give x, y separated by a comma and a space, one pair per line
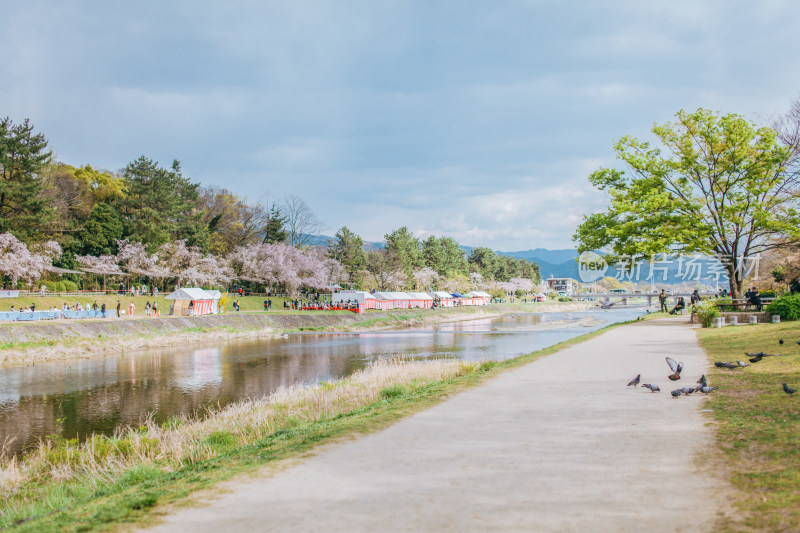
76, 398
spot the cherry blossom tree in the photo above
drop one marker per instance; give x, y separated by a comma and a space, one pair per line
188, 264
424, 278
18, 262
103, 264
280, 264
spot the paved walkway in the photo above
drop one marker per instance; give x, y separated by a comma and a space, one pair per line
558, 445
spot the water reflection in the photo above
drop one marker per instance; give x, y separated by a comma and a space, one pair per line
76, 398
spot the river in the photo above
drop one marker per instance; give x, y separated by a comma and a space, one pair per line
75, 398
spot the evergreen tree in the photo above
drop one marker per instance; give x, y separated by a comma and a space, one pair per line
162, 206
407, 248
102, 230
275, 229
348, 249
23, 154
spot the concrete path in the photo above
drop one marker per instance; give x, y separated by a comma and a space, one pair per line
558, 445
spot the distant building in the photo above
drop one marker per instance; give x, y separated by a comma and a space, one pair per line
567, 286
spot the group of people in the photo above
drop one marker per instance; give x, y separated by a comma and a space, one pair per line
137, 290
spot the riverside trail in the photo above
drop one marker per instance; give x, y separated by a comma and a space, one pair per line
560, 444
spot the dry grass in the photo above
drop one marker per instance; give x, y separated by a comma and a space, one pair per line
182, 440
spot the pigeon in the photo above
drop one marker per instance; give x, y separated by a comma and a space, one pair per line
676, 369
798, 342
653, 388
761, 354
780, 341
635, 381
788, 390
705, 390
741, 363
726, 364
687, 390
755, 359
702, 381
676, 393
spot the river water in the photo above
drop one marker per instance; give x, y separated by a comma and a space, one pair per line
78, 397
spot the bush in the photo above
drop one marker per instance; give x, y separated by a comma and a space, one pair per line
70, 286
707, 312
519, 293
787, 306
564, 299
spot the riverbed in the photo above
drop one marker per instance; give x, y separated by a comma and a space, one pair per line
75, 398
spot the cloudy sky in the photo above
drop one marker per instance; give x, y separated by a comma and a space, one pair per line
479, 120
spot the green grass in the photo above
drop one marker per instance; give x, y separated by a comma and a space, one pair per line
758, 425
101, 503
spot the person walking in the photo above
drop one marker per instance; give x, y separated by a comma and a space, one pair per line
695, 298
119, 307
662, 299
131, 309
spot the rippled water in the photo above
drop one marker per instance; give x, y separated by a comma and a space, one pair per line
76, 398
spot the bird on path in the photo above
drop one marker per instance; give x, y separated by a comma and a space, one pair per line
653, 388
676, 393
702, 381
705, 390
675, 367
788, 390
687, 390
635, 381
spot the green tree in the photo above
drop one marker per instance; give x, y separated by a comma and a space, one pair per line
102, 230
483, 261
407, 248
23, 154
275, 227
444, 255
162, 206
348, 249
720, 188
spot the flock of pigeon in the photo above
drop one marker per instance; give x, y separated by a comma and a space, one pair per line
703, 386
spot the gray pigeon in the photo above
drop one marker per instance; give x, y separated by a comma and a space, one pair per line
676, 368
676, 393
705, 390
788, 390
687, 390
702, 381
635, 381
653, 388
726, 364
741, 363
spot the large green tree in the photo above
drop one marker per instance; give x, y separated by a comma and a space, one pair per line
348, 248
407, 247
23, 154
444, 255
161, 206
718, 187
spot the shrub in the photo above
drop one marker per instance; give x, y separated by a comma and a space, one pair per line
707, 311
519, 293
564, 299
787, 306
70, 286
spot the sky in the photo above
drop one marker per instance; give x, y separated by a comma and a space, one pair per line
478, 120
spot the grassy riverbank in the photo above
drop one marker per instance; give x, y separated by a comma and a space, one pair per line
69, 486
758, 425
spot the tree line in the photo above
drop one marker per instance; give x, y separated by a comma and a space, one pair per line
156, 220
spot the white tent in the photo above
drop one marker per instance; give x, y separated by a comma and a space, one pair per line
192, 301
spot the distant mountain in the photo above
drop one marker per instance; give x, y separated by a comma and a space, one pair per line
555, 257
324, 240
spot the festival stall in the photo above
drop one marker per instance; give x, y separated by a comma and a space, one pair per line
420, 300
443, 299
192, 301
363, 300
395, 300
479, 298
